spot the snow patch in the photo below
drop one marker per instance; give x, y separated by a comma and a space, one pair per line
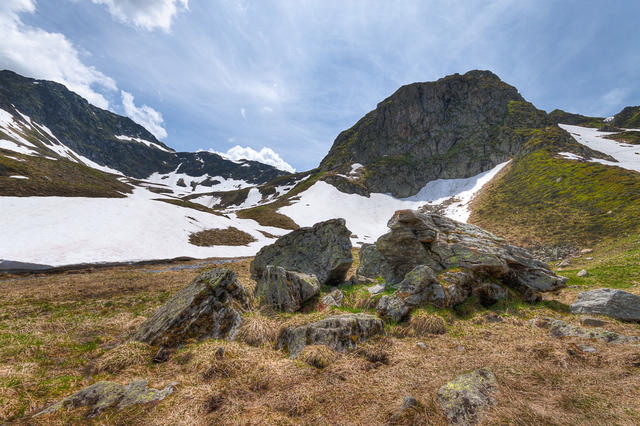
18, 177
144, 142
570, 156
367, 216
627, 156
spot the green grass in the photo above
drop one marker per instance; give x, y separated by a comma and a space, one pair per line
541, 199
630, 137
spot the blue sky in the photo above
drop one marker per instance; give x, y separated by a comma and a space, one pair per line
291, 74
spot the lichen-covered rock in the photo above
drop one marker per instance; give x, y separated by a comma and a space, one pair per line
489, 293
323, 250
465, 398
373, 265
606, 301
457, 285
103, 395
340, 333
419, 286
559, 328
334, 298
208, 307
418, 238
285, 290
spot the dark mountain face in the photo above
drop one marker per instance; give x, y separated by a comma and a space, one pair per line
92, 132
628, 118
456, 127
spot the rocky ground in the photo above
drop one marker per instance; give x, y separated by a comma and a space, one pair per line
518, 362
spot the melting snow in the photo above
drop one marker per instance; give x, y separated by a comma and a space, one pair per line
144, 142
18, 177
570, 156
367, 216
628, 156
41, 230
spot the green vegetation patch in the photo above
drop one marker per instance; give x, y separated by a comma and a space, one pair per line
631, 137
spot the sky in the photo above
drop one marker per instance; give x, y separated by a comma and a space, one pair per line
277, 80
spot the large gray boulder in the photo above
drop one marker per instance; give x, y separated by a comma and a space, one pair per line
208, 307
323, 250
340, 333
606, 301
103, 395
285, 290
465, 398
419, 238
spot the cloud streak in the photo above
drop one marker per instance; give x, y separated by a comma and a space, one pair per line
146, 116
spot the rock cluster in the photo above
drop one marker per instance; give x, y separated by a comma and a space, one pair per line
323, 250
340, 333
208, 307
468, 261
103, 395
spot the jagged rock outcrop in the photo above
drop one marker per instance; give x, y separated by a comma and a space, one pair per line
323, 250
429, 258
209, 307
441, 243
340, 333
285, 290
465, 398
613, 303
103, 395
455, 127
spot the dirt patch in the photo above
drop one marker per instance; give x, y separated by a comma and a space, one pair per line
221, 237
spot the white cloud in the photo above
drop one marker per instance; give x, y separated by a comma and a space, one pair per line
40, 54
265, 155
145, 14
146, 116
243, 112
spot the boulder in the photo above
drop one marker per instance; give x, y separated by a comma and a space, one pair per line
465, 398
323, 250
419, 286
613, 303
340, 333
489, 293
285, 290
209, 306
103, 395
419, 238
373, 264
582, 273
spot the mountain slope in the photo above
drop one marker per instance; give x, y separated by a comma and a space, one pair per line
39, 111
456, 127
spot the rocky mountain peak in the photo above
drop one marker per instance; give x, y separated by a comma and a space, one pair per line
449, 128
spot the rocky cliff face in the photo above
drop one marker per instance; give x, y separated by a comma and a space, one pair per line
109, 139
456, 127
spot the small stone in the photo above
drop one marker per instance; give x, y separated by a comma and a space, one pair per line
588, 258
588, 349
460, 348
592, 322
376, 289
161, 356
408, 402
333, 299
219, 354
421, 345
583, 273
564, 263
586, 251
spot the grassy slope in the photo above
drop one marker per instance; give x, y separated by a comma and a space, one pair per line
55, 178
631, 137
60, 333
542, 199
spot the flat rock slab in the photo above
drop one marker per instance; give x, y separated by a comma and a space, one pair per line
209, 307
323, 250
559, 328
613, 303
103, 395
464, 398
285, 290
340, 333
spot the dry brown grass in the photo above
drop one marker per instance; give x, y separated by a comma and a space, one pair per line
259, 329
127, 355
221, 237
318, 356
51, 327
